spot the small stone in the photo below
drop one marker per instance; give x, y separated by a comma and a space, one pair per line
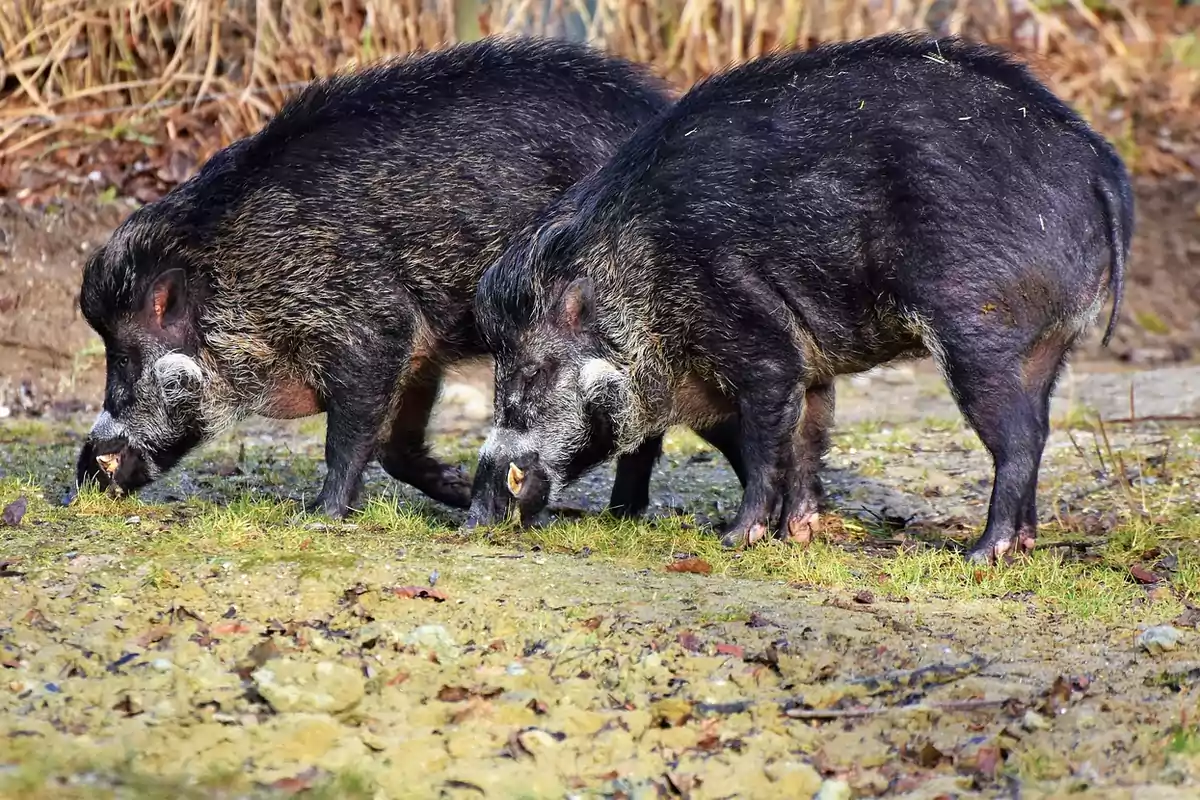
161, 664
435, 638
1160, 639
516, 669
1034, 721
322, 688
834, 790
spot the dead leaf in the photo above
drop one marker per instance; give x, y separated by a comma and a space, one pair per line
422, 592
155, 634
737, 651
696, 566
129, 706
457, 694
230, 628
690, 641
14, 512
298, 783
1143, 575
864, 597
398, 678
538, 707
593, 623
1190, 618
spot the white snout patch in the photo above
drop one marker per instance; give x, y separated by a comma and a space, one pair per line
106, 427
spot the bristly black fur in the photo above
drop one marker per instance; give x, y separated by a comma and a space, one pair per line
812, 214
330, 260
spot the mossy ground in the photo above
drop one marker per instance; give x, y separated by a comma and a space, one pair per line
567, 659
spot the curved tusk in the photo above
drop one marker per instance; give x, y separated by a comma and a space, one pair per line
516, 478
109, 463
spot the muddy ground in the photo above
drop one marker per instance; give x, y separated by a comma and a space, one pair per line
206, 639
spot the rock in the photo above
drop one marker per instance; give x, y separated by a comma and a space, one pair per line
800, 778
834, 790
296, 686
1033, 721
435, 638
1160, 639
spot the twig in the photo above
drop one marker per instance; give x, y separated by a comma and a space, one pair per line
851, 713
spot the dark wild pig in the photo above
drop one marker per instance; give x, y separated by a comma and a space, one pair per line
329, 262
805, 216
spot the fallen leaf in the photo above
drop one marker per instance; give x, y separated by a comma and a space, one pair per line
1143, 575
1190, 618
229, 628
14, 512
757, 620
864, 597
129, 706
696, 566
155, 634
538, 707
737, 651
690, 641
398, 678
456, 694
593, 623
422, 592
298, 783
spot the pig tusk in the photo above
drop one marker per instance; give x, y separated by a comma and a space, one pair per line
109, 463
516, 478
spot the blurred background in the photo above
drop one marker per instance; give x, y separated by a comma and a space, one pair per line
105, 105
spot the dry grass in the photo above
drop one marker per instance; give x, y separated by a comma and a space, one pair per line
74, 71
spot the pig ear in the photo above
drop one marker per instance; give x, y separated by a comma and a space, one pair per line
167, 298
576, 305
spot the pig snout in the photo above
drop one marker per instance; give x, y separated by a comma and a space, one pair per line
501, 482
112, 465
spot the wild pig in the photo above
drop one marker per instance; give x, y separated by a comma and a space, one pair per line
328, 263
804, 216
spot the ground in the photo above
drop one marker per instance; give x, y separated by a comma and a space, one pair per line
208, 639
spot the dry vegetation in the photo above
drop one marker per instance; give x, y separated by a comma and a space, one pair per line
80, 80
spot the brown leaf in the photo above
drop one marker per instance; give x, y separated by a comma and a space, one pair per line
398, 678
14, 512
129, 706
737, 651
864, 597
298, 783
155, 634
538, 707
1190, 618
593, 623
696, 566
987, 761
230, 628
1143, 575
456, 694
422, 592
690, 641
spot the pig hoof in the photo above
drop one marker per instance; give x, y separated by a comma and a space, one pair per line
1026, 541
736, 538
801, 530
993, 554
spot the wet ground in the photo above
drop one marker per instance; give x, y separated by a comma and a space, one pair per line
208, 640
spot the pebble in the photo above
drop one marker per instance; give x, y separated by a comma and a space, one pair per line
834, 790
1160, 639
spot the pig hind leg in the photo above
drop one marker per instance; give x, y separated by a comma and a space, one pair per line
803, 490
631, 487
1002, 385
404, 454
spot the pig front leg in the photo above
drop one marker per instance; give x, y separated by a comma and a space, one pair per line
631, 488
356, 408
803, 491
404, 454
767, 417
